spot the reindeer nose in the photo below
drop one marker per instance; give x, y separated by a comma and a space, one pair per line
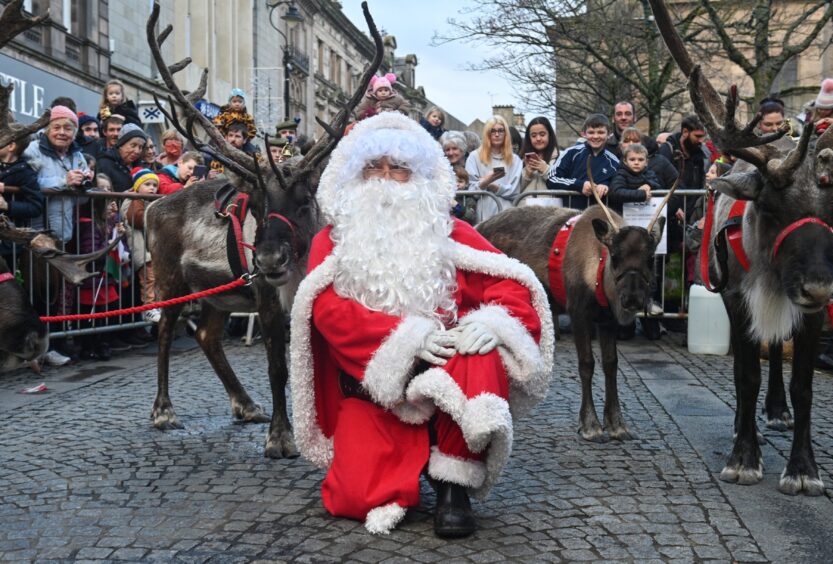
817, 292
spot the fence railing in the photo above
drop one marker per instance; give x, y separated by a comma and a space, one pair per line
51, 295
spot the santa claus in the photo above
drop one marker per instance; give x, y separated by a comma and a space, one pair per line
415, 343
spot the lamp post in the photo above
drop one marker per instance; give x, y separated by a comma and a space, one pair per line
292, 16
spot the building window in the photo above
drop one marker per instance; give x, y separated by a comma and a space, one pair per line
320, 68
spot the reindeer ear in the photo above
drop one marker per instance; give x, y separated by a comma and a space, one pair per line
656, 231
604, 232
740, 185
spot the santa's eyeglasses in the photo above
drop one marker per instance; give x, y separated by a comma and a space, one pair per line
379, 169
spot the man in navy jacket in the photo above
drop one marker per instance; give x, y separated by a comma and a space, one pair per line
570, 170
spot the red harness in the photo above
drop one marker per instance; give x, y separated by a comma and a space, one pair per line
6, 276
556, 270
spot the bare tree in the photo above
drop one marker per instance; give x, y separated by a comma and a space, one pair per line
583, 55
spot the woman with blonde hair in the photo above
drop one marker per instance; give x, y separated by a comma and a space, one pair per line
494, 168
172, 147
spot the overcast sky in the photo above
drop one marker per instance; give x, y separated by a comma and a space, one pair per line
467, 95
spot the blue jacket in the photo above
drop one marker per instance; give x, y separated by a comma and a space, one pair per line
570, 171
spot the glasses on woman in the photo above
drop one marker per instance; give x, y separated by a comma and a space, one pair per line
497, 131
377, 169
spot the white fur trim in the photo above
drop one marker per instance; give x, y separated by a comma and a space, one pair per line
415, 413
391, 134
485, 420
529, 379
391, 366
456, 470
381, 520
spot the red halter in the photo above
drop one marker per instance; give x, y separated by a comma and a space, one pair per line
6, 276
792, 227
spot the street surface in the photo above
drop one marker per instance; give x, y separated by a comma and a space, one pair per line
84, 476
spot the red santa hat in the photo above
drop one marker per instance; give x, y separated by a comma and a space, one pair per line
386, 81
824, 101
392, 135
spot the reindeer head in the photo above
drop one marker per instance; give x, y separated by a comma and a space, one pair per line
631, 261
282, 197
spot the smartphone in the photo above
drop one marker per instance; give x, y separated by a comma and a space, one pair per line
531, 156
201, 171
498, 169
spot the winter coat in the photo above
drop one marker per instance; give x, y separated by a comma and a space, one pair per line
133, 212
127, 109
570, 171
169, 181
694, 165
227, 116
508, 186
52, 175
370, 105
29, 202
435, 132
625, 187
111, 164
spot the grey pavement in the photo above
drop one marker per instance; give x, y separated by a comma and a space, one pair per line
84, 476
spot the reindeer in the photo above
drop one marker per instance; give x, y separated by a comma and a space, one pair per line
789, 243
610, 294
188, 239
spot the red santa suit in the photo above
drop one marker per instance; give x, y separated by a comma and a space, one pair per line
375, 448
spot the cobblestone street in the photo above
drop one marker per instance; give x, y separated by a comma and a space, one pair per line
84, 476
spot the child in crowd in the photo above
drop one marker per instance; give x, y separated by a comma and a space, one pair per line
433, 122
145, 181
180, 175
466, 207
633, 181
114, 101
381, 97
820, 111
235, 111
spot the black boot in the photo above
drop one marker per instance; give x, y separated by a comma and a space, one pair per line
454, 517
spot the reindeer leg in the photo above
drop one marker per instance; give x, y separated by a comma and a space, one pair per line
163, 414
209, 336
589, 427
801, 473
279, 442
614, 424
745, 464
778, 415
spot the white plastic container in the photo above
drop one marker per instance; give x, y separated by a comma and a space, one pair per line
708, 322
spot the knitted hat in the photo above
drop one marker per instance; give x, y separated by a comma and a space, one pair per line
288, 124
84, 119
237, 92
824, 100
141, 175
386, 81
130, 131
62, 112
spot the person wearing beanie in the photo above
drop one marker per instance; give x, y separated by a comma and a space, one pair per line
118, 161
88, 134
381, 97
820, 110
145, 181
235, 111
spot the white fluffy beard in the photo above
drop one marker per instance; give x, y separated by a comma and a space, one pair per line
393, 249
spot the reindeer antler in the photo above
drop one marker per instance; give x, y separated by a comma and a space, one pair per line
665, 200
13, 21
335, 129
241, 159
596, 195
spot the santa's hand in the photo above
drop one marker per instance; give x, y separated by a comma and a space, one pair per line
475, 338
437, 346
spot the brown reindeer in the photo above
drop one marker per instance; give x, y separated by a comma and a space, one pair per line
528, 233
789, 243
188, 241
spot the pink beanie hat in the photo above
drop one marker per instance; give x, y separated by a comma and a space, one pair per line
386, 81
62, 112
824, 100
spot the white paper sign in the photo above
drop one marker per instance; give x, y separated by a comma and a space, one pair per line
640, 214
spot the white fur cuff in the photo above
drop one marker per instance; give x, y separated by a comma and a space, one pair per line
381, 520
389, 370
456, 470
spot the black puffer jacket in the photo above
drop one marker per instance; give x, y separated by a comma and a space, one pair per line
127, 110
110, 163
29, 202
625, 187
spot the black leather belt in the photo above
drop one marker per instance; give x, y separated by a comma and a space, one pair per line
352, 388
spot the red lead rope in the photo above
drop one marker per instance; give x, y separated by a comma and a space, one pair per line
144, 307
704, 246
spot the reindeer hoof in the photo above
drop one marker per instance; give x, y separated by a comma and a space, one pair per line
742, 475
621, 434
800, 483
249, 413
165, 419
782, 423
594, 435
281, 447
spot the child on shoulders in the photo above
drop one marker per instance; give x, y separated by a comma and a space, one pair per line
381, 97
235, 111
114, 101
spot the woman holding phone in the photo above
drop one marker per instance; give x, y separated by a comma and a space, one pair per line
539, 153
494, 168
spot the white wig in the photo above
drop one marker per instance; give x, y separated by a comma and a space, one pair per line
389, 134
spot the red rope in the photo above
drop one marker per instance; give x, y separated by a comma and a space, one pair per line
137, 309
